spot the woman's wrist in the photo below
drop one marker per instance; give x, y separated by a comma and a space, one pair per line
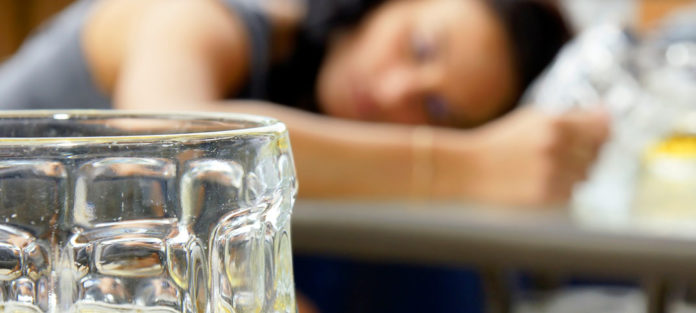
456, 159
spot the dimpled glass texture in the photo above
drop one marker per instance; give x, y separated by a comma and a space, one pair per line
107, 211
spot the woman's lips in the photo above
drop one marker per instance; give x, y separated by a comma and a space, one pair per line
363, 101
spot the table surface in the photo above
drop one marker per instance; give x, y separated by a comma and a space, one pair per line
463, 235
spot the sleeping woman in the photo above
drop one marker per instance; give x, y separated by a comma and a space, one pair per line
383, 99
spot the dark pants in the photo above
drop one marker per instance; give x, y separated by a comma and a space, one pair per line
342, 286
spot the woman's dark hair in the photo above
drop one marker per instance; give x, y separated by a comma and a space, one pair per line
536, 30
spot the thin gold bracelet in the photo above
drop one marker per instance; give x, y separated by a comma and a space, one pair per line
422, 170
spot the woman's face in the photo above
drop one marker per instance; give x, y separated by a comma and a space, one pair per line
440, 62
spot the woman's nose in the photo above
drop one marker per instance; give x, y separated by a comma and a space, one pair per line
396, 88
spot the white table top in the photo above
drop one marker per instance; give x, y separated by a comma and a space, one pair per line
455, 234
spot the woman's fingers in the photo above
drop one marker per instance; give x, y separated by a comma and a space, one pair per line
533, 158
576, 138
583, 133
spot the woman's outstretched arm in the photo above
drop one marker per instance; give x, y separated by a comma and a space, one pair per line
185, 55
526, 158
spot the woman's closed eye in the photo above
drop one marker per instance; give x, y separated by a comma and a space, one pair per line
422, 48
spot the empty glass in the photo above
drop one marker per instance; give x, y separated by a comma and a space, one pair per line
124, 212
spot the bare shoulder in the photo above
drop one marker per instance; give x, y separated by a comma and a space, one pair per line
115, 26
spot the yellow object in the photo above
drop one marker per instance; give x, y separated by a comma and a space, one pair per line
666, 186
681, 146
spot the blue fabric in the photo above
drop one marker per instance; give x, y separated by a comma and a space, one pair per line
343, 286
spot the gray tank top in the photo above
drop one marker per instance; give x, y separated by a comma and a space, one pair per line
50, 70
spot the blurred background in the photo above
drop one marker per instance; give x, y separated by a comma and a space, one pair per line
19, 18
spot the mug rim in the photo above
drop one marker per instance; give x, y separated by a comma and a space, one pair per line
261, 125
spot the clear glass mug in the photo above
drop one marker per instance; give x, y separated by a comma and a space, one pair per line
106, 211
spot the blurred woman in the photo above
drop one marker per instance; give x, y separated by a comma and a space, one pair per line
355, 81
401, 63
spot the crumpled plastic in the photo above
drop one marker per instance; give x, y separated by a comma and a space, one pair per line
648, 86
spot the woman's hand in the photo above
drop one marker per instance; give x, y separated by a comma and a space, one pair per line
533, 158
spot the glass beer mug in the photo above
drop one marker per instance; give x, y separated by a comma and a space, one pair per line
133, 212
